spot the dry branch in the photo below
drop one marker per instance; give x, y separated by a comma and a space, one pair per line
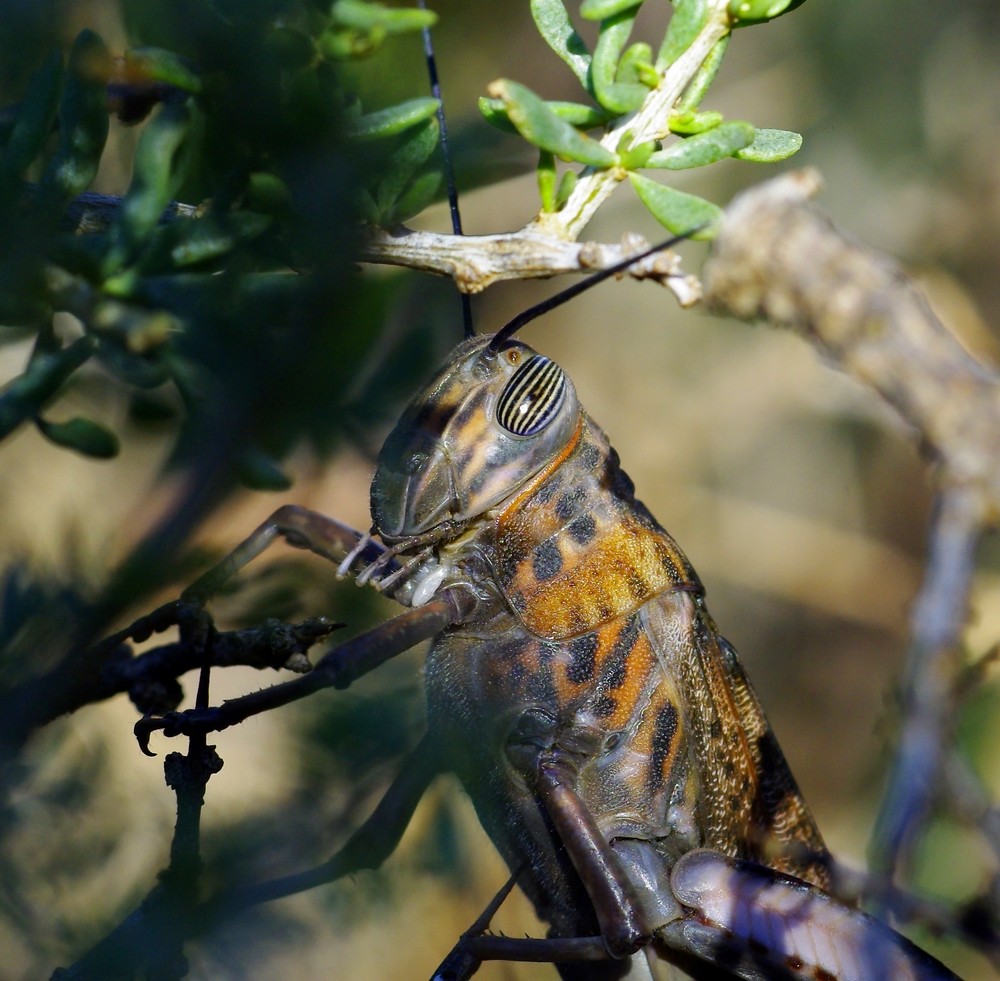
777, 258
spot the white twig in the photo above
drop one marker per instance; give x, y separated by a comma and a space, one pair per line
476, 261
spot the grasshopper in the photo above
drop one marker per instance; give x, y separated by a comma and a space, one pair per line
614, 750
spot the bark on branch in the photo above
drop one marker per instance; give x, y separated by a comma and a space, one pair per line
778, 259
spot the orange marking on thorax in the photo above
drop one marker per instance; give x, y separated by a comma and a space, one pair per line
638, 664
564, 584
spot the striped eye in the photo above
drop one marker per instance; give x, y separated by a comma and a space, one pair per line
532, 396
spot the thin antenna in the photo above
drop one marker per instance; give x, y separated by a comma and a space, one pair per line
449, 172
513, 326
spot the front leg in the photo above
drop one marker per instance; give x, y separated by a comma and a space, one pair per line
301, 528
337, 669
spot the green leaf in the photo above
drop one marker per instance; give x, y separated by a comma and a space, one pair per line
82, 435
688, 18
420, 192
546, 174
638, 156
211, 236
24, 397
165, 67
358, 28
602, 9
258, 471
393, 120
557, 31
770, 146
404, 162
744, 13
544, 129
704, 148
363, 16
619, 97
267, 192
689, 123
574, 113
495, 113
35, 117
678, 212
367, 207
636, 66
704, 77
83, 122
158, 170
566, 184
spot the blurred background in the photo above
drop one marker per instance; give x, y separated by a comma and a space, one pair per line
798, 496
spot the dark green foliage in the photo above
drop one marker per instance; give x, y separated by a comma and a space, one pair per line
246, 115
216, 292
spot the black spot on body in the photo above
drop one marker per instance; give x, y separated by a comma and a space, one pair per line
546, 561
668, 562
516, 673
541, 688
702, 632
777, 784
637, 586
583, 654
582, 529
548, 490
590, 456
605, 706
616, 667
664, 732
569, 503
434, 416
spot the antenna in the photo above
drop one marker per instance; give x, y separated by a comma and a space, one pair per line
449, 171
513, 326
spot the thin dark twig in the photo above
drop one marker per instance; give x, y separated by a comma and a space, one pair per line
338, 669
188, 776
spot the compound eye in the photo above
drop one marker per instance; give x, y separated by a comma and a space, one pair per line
532, 397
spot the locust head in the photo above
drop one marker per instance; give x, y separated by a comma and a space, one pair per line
488, 423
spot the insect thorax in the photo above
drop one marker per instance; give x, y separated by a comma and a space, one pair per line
575, 549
